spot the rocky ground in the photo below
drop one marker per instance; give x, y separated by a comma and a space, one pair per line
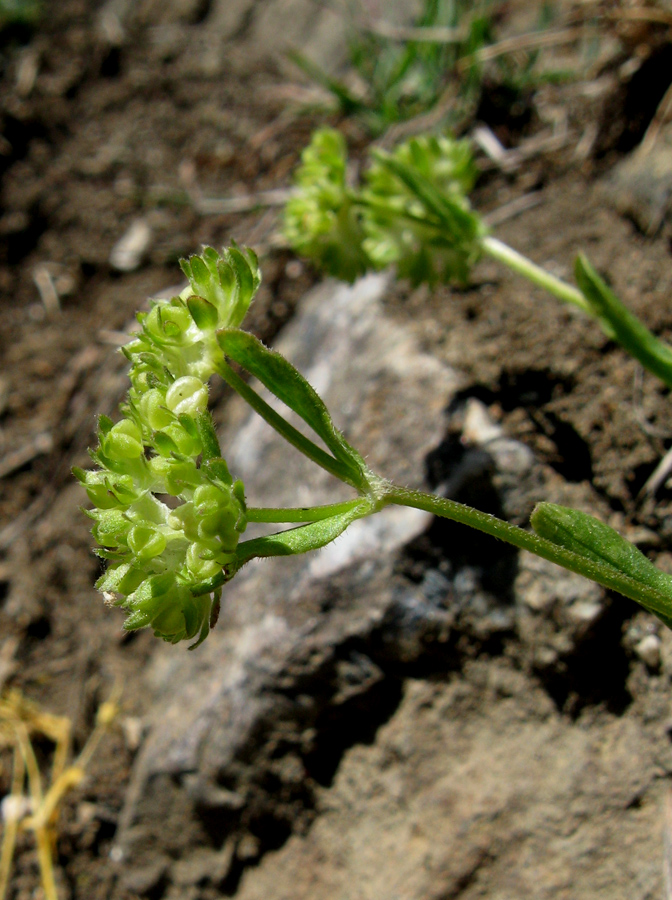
416, 712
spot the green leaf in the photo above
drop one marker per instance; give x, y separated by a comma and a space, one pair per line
588, 537
105, 424
241, 267
208, 437
302, 539
621, 325
218, 470
288, 385
200, 273
164, 444
203, 312
348, 102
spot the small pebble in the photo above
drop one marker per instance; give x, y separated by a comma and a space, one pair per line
14, 807
585, 611
648, 650
133, 729
129, 251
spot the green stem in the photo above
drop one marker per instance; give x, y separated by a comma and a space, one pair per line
302, 514
282, 426
534, 273
602, 573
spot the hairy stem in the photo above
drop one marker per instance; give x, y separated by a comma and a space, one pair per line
602, 573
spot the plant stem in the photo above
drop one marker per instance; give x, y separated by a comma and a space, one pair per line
282, 426
602, 573
302, 514
534, 273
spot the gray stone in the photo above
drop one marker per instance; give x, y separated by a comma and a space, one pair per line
283, 650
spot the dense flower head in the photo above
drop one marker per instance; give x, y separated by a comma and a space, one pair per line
412, 211
322, 220
167, 513
417, 214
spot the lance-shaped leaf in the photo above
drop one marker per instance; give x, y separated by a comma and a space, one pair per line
203, 312
303, 539
288, 385
621, 325
588, 537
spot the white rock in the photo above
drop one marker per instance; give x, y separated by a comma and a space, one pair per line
648, 650
127, 254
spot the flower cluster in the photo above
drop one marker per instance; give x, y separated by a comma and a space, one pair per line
322, 221
168, 515
412, 211
418, 216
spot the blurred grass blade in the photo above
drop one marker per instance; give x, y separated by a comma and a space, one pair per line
349, 104
621, 325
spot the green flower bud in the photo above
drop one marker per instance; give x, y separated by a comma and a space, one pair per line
131, 581
183, 620
116, 573
181, 475
101, 496
107, 491
209, 499
124, 441
158, 555
184, 443
111, 528
188, 395
184, 519
321, 220
159, 467
153, 410
220, 515
416, 212
152, 592
146, 542
228, 282
169, 323
199, 564
169, 624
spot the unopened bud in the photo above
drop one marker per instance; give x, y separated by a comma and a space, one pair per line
146, 542
187, 395
124, 440
153, 409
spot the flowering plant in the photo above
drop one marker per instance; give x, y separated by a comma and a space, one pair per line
412, 210
169, 517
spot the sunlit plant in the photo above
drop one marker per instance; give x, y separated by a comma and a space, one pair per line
168, 516
412, 210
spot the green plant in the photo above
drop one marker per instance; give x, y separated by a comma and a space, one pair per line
413, 211
20, 12
168, 561
403, 74
442, 62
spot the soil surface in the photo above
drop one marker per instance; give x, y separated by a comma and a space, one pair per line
121, 116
